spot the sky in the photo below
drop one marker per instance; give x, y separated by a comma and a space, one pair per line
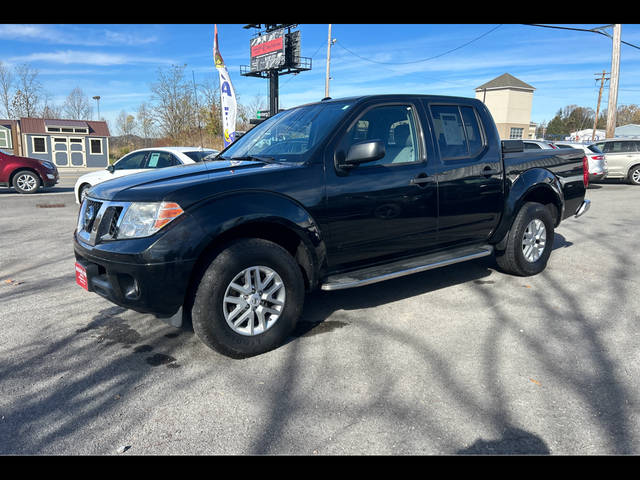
120, 62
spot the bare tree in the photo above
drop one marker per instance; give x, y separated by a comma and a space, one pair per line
174, 107
126, 124
77, 105
6, 85
145, 121
28, 93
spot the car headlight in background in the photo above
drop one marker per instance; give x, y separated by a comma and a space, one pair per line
48, 165
144, 219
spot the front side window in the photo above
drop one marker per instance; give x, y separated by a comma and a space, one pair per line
132, 161
289, 135
394, 125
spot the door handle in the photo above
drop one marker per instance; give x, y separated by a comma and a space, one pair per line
486, 171
421, 179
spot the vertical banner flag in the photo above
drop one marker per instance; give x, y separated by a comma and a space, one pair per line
227, 95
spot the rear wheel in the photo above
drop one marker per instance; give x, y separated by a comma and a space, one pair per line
26, 181
634, 175
529, 242
249, 299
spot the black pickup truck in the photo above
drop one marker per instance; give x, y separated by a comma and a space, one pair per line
336, 194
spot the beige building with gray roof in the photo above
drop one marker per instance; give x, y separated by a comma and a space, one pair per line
509, 100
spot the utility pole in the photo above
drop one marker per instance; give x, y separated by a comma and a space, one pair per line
595, 122
329, 43
613, 85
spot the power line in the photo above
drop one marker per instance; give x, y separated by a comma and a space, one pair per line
595, 30
424, 59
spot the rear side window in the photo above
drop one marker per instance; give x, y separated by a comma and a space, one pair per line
458, 131
161, 160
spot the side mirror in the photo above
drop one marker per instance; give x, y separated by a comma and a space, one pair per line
512, 146
363, 152
111, 168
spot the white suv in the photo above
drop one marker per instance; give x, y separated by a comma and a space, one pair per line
623, 158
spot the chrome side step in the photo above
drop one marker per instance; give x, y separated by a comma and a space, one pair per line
400, 268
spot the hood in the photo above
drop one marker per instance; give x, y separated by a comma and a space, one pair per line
171, 182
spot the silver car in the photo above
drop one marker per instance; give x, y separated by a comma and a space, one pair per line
595, 157
623, 158
537, 144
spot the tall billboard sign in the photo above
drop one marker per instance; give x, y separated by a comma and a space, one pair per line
268, 51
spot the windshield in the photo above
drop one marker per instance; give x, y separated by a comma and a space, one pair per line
289, 135
595, 149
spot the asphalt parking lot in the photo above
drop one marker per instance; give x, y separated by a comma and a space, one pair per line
460, 360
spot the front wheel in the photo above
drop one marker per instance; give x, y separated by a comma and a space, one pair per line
26, 181
529, 242
249, 299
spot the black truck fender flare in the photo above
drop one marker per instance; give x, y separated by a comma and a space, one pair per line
266, 215
533, 185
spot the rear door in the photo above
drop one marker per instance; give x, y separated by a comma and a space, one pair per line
620, 156
470, 173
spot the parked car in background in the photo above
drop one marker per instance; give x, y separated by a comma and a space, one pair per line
26, 174
139, 161
595, 157
537, 144
622, 157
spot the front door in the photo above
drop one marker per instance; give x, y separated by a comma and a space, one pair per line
384, 208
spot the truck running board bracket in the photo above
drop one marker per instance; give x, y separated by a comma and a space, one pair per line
400, 268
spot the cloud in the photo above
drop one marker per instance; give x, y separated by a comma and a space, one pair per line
73, 35
67, 57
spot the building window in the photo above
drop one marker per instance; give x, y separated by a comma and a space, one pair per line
39, 144
95, 146
80, 130
516, 133
53, 129
5, 138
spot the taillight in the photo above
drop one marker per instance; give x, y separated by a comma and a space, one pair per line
597, 157
585, 171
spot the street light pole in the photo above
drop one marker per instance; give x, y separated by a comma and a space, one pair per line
613, 83
97, 99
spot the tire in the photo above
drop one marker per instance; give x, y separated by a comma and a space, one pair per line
25, 181
529, 242
634, 175
82, 191
241, 324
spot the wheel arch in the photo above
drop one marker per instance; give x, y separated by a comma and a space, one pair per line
535, 185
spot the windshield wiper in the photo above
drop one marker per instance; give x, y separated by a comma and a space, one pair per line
258, 158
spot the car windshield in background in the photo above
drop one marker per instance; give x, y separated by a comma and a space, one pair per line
288, 135
199, 155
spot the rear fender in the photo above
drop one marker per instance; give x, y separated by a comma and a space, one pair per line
534, 185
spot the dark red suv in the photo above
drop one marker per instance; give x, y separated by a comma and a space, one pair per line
25, 174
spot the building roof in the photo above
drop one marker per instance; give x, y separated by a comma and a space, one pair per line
629, 130
505, 80
38, 125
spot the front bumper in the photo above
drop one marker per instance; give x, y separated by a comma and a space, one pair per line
157, 288
50, 178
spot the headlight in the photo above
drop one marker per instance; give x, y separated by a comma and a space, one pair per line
49, 165
144, 219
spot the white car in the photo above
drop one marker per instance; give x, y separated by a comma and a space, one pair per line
139, 161
597, 162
